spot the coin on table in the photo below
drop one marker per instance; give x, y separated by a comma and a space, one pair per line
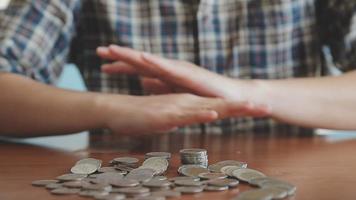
132, 190
277, 193
258, 181
71, 177
217, 166
124, 168
90, 161
166, 193
84, 168
52, 186
256, 194
108, 169
211, 175
193, 151
92, 193
109, 197
100, 186
165, 155
107, 177
126, 160
73, 184
157, 183
193, 171
187, 183
247, 174
173, 179
158, 164
189, 190
224, 182
215, 188
42, 183
161, 178
64, 191
291, 189
125, 182
141, 174
227, 170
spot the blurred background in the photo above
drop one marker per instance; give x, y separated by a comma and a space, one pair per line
71, 79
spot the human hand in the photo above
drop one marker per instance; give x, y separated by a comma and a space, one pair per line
160, 76
160, 113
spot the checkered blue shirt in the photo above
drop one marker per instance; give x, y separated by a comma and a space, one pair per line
241, 39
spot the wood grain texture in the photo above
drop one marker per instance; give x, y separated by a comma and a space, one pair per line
320, 169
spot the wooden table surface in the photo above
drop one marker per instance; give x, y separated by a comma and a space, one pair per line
319, 168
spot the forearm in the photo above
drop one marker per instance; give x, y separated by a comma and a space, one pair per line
29, 108
328, 102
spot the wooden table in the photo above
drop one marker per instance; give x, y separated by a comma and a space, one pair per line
320, 169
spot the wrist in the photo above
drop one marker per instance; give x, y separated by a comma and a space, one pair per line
101, 109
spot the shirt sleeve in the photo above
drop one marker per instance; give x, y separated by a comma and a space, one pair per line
337, 30
35, 37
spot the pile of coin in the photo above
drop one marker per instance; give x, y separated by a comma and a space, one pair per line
194, 157
126, 179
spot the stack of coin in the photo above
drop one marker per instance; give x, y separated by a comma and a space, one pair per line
194, 157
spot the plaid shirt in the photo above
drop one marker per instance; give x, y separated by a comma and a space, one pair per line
242, 39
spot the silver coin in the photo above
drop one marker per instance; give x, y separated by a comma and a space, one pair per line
165, 155
256, 194
227, 170
124, 168
92, 193
247, 174
158, 164
217, 166
211, 175
108, 169
52, 186
173, 179
189, 190
91, 186
42, 183
108, 177
291, 189
193, 151
277, 193
157, 183
187, 183
84, 168
109, 197
71, 177
73, 184
193, 171
126, 160
161, 178
132, 190
90, 161
215, 188
141, 174
125, 182
65, 191
224, 182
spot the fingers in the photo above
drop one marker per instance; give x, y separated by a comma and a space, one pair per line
155, 86
119, 67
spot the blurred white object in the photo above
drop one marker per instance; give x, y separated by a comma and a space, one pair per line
4, 4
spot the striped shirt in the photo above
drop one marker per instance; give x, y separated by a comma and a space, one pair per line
241, 39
